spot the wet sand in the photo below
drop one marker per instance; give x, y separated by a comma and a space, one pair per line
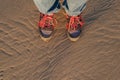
24, 56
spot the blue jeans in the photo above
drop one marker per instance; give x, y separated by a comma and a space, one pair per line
72, 7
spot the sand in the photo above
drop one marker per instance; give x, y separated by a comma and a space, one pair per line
24, 56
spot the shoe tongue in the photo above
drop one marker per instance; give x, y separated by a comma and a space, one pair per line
49, 28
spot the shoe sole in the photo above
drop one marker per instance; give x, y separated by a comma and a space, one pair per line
73, 39
46, 39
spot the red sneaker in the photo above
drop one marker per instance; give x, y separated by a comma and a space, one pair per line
74, 27
46, 26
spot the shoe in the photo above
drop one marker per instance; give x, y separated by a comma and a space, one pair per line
74, 27
46, 26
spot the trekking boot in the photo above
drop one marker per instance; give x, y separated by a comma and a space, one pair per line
74, 27
46, 26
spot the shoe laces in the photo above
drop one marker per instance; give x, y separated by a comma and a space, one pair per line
74, 21
47, 21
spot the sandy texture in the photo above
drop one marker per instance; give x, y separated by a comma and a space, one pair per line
24, 56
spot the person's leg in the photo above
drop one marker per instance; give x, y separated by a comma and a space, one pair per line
74, 25
47, 6
74, 7
47, 21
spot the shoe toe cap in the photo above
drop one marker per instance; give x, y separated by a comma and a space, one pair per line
75, 34
45, 33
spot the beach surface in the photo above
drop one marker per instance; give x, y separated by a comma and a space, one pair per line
24, 56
